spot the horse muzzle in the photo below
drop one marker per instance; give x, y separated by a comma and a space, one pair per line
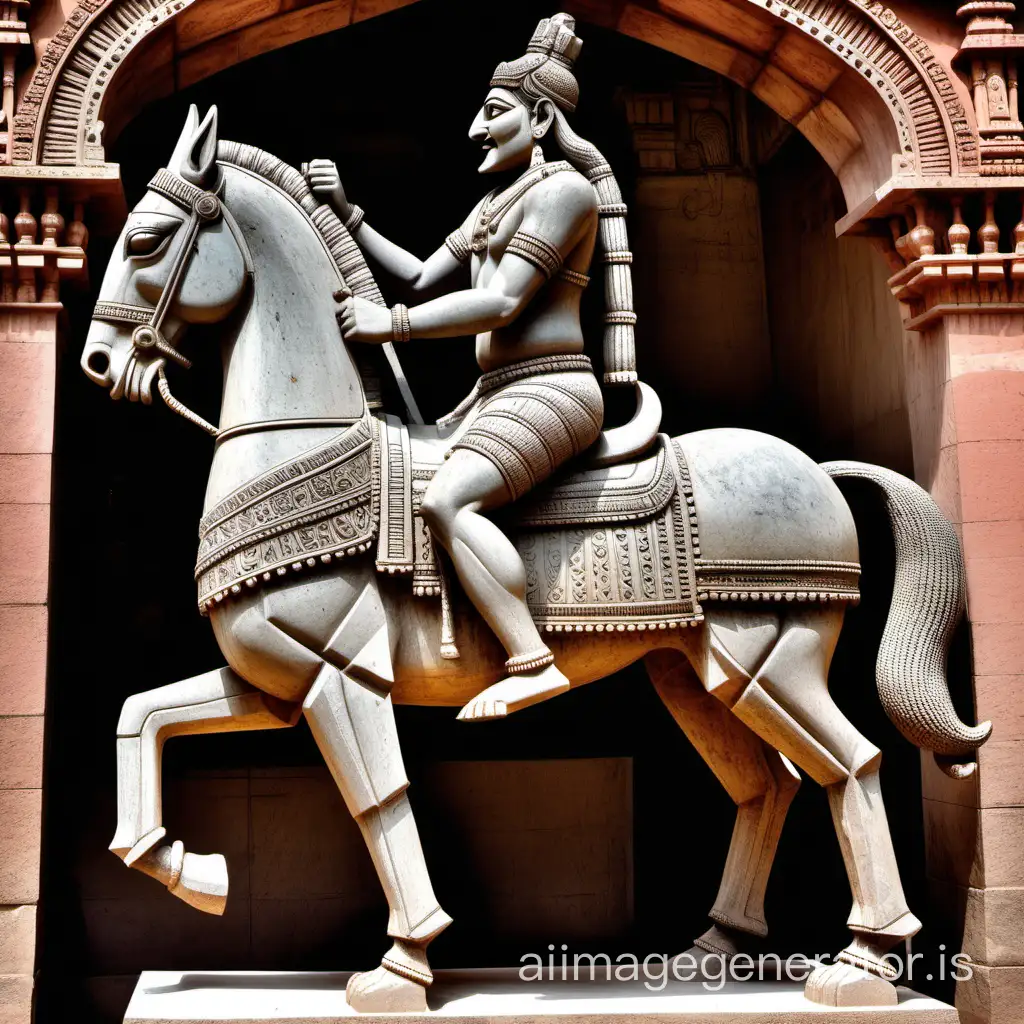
111, 360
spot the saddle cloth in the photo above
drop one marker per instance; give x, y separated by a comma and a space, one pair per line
604, 549
614, 548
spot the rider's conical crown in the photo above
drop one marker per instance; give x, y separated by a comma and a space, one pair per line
545, 70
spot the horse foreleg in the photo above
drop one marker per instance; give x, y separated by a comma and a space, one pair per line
353, 721
218, 701
759, 781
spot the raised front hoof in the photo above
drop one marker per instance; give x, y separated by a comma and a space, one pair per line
203, 883
842, 984
199, 880
382, 991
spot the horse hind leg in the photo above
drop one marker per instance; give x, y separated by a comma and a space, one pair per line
218, 701
788, 705
759, 780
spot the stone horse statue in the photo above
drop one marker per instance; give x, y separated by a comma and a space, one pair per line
725, 550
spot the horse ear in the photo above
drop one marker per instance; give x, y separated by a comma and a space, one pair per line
181, 147
200, 161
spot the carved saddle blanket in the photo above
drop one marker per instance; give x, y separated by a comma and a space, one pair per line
616, 548
604, 549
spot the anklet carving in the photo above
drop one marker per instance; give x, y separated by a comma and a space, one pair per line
523, 663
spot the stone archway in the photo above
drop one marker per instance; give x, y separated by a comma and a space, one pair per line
875, 95
863, 87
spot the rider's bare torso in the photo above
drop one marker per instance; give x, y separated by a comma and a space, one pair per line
550, 324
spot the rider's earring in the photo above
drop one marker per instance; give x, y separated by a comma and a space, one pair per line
537, 158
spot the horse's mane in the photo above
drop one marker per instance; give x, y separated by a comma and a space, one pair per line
346, 254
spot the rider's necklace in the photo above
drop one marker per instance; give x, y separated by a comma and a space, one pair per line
497, 206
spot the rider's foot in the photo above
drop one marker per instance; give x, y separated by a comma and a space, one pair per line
513, 693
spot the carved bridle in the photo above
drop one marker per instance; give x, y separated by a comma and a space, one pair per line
203, 208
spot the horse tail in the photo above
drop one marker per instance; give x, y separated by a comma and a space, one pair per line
927, 604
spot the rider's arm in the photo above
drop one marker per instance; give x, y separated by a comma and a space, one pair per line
557, 213
420, 277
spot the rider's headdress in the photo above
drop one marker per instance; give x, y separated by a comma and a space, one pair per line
545, 70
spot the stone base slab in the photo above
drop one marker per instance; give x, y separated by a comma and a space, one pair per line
243, 997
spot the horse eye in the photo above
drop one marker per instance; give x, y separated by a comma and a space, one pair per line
143, 243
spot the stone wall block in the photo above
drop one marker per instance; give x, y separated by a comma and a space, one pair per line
995, 588
998, 648
989, 405
1002, 843
992, 930
15, 999
17, 939
1000, 539
1001, 775
993, 995
22, 659
24, 554
991, 480
27, 401
997, 699
21, 815
25, 478
21, 753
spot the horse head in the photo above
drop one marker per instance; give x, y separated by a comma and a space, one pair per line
180, 260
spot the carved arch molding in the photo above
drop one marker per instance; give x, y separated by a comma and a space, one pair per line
59, 121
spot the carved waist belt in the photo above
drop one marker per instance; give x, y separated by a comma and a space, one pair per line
492, 380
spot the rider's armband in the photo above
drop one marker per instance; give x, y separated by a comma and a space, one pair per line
458, 246
536, 250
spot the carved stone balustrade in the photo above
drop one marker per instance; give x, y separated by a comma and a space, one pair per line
955, 270
38, 253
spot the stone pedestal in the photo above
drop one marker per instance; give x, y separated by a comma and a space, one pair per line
244, 997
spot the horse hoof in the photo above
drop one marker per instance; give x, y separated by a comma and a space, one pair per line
709, 957
381, 991
842, 984
203, 882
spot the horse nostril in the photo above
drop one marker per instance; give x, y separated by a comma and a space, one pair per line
99, 362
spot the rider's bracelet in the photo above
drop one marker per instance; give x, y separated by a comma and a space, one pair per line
401, 328
355, 218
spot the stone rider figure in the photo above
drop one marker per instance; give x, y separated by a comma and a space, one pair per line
538, 402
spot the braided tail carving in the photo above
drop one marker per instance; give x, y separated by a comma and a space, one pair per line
620, 318
927, 603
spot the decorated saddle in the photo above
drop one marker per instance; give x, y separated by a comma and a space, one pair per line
604, 549
616, 548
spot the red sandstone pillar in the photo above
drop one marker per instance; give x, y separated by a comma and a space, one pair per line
30, 270
965, 382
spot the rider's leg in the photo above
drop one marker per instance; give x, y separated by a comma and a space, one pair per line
493, 575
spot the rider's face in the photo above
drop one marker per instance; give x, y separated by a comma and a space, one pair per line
504, 129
